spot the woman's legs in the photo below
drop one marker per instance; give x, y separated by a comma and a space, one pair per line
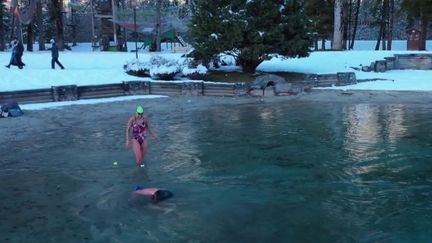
143, 150
136, 147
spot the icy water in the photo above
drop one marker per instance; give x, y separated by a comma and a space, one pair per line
279, 172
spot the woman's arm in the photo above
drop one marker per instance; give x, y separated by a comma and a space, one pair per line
153, 134
128, 126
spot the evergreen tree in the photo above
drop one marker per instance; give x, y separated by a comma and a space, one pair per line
3, 15
321, 14
40, 27
252, 31
48, 20
422, 11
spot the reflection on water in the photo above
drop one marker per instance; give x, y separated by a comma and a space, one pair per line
363, 130
268, 172
395, 123
368, 125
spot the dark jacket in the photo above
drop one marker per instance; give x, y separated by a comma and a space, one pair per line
54, 51
19, 48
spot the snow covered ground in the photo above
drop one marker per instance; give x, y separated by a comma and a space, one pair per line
85, 67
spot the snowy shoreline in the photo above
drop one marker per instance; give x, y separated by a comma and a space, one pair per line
85, 67
315, 95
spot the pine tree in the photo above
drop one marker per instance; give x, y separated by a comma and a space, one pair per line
48, 20
252, 31
40, 27
3, 15
321, 14
421, 10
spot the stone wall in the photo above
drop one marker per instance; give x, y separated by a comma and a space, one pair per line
74, 92
271, 85
264, 85
420, 61
414, 61
328, 80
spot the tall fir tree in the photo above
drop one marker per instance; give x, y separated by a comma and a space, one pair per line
3, 17
420, 10
321, 14
48, 20
40, 26
252, 31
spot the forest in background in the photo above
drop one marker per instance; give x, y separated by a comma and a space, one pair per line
339, 21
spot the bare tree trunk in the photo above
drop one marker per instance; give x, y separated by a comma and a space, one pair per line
355, 24
424, 22
158, 25
2, 28
73, 25
2, 39
379, 38
93, 34
58, 5
40, 27
347, 12
337, 28
384, 24
323, 47
12, 28
30, 36
382, 31
390, 25
19, 33
114, 14
12, 25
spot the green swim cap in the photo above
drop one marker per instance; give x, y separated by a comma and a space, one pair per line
139, 109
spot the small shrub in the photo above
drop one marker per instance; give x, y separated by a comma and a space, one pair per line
164, 72
196, 73
137, 68
162, 68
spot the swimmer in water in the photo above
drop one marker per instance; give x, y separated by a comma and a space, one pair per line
136, 135
155, 194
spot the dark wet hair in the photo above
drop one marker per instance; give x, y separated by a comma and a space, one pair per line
161, 195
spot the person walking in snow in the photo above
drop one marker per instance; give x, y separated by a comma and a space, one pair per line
13, 54
55, 55
19, 53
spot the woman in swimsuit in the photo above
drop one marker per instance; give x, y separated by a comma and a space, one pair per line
137, 126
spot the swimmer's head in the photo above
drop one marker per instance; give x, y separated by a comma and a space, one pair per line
155, 197
139, 110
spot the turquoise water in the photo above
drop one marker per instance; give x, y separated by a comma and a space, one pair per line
269, 172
